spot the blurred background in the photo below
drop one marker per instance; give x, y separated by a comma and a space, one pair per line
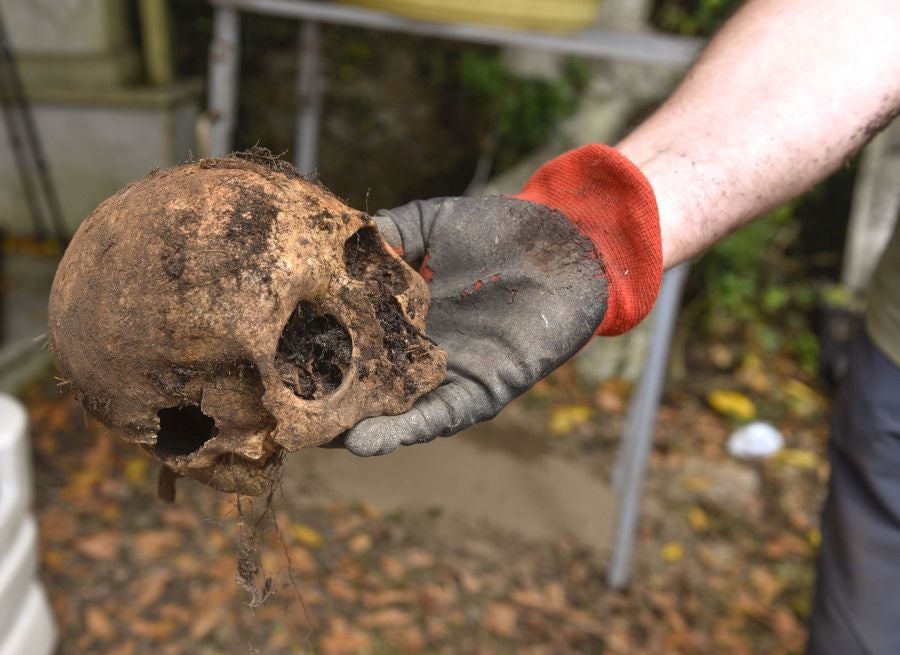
497, 541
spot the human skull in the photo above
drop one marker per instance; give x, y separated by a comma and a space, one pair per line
223, 311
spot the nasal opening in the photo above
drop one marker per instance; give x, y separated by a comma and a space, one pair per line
183, 430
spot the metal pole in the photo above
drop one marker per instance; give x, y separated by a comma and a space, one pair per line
224, 64
310, 89
641, 423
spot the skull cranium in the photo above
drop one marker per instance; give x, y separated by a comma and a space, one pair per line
223, 311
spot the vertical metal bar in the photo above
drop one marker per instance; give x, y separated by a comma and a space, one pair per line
626, 448
224, 65
310, 89
157, 41
641, 425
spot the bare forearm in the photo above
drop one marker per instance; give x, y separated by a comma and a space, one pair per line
786, 92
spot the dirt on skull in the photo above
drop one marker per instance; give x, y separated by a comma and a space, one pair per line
224, 311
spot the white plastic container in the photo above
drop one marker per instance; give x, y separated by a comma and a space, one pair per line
26, 624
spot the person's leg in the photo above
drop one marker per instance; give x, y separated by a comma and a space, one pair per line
856, 610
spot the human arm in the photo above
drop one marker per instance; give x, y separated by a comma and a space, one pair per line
787, 91
784, 94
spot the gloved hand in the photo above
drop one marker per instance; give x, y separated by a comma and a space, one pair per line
519, 285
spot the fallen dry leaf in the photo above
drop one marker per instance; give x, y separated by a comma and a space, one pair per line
100, 546
206, 620
149, 587
409, 639
552, 598
386, 618
698, 519
340, 589
416, 558
306, 536
798, 458
341, 639
567, 418
360, 543
766, 583
127, 648
155, 544
302, 562
672, 552
152, 630
732, 403
384, 597
136, 470
98, 623
501, 619
393, 568
435, 597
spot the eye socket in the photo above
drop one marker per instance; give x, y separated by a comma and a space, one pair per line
366, 260
313, 353
183, 430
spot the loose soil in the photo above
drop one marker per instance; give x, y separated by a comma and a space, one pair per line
313, 353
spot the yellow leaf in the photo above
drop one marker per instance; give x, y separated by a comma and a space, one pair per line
111, 513
307, 536
53, 560
696, 483
136, 470
814, 537
698, 519
732, 403
672, 552
568, 417
803, 400
798, 458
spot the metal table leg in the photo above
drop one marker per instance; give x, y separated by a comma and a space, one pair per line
628, 476
310, 90
224, 64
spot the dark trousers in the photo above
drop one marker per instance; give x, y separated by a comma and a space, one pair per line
857, 601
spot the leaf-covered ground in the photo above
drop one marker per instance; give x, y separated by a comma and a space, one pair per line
724, 561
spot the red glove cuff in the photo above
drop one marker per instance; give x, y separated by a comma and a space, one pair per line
606, 197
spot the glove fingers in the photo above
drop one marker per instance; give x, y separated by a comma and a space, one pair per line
389, 231
450, 408
410, 225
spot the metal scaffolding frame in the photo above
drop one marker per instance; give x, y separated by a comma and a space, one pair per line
596, 43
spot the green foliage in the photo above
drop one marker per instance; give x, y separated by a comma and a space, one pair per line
751, 290
692, 17
763, 286
506, 115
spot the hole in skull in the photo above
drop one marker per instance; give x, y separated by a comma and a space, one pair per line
182, 430
313, 353
367, 260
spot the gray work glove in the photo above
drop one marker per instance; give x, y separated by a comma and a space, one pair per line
516, 290
518, 285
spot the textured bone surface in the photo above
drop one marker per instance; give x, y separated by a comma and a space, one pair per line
224, 311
